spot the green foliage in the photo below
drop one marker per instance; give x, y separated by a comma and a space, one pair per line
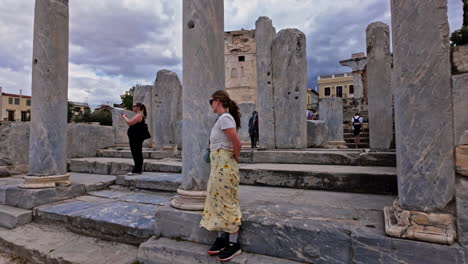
104, 118
127, 98
460, 36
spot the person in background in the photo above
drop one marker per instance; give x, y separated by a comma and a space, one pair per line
309, 114
314, 115
222, 209
134, 136
253, 129
356, 121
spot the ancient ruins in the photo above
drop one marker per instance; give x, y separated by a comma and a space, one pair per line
65, 196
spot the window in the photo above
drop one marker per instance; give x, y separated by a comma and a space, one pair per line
327, 91
351, 89
11, 115
234, 73
17, 101
10, 100
24, 116
241, 58
28, 102
339, 91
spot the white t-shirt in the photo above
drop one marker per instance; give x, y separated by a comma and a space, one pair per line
218, 139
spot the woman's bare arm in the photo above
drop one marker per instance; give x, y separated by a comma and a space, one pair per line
134, 120
231, 133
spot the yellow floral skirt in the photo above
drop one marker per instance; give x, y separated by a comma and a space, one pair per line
222, 211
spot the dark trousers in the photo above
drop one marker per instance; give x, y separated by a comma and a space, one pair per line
254, 141
136, 146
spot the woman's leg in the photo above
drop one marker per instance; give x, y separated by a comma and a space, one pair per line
133, 149
138, 156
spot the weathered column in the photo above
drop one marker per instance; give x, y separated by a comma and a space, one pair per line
167, 110
264, 36
48, 139
357, 64
380, 93
289, 64
423, 122
142, 94
331, 111
203, 74
460, 105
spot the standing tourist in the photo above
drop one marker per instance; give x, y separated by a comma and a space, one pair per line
357, 125
137, 133
253, 129
222, 210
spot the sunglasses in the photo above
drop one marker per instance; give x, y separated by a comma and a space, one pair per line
212, 100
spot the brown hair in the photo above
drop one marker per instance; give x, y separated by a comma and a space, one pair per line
142, 108
229, 104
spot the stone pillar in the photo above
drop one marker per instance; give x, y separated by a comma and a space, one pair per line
264, 36
357, 64
380, 94
167, 110
289, 64
48, 139
142, 94
460, 105
423, 122
331, 111
203, 71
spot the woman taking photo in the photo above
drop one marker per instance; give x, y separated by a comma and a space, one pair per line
135, 134
222, 211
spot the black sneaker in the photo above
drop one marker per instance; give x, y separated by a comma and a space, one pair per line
229, 252
219, 244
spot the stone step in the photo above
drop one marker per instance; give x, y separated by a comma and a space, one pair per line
147, 153
312, 227
361, 145
12, 195
36, 243
115, 215
152, 181
380, 180
12, 217
306, 156
163, 250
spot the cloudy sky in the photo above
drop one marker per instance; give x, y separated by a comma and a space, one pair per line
115, 44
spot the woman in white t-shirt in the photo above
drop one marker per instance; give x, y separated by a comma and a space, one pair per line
222, 211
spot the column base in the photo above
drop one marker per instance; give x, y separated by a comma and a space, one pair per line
461, 160
189, 200
337, 144
428, 227
40, 182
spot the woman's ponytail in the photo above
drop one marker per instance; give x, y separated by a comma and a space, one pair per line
235, 112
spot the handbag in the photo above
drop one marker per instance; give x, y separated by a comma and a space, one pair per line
145, 134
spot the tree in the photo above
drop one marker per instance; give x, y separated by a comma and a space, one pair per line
127, 98
460, 36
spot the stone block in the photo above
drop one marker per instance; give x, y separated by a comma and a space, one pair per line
167, 110
331, 111
119, 125
423, 103
246, 112
14, 143
163, 250
289, 64
142, 94
380, 92
317, 134
464, 138
85, 140
460, 58
461, 160
264, 36
462, 210
12, 217
460, 106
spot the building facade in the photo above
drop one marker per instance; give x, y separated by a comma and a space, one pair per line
241, 65
336, 85
312, 100
14, 107
79, 109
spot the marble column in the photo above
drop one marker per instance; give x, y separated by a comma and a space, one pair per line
423, 123
357, 65
289, 64
331, 111
48, 139
380, 93
264, 36
167, 110
203, 74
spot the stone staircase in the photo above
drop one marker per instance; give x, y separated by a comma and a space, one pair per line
308, 206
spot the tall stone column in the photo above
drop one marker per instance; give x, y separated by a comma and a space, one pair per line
423, 122
203, 74
331, 111
48, 139
264, 36
380, 93
357, 65
289, 63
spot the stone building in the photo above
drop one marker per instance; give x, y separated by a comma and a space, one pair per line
240, 65
14, 107
78, 109
336, 85
312, 99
